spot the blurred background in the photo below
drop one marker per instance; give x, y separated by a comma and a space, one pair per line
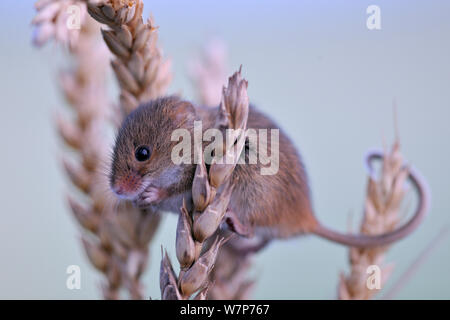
314, 67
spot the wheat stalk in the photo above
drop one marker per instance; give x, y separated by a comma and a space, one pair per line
116, 237
382, 208
416, 264
196, 244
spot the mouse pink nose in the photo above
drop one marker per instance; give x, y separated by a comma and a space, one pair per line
126, 186
119, 190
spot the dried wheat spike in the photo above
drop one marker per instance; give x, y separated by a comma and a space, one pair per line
139, 67
229, 276
142, 74
83, 87
209, 72
51, 21
211, 193
116, 237
382, 214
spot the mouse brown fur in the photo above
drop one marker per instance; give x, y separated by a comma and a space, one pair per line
271, 206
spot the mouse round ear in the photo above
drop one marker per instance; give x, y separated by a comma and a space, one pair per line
182, 112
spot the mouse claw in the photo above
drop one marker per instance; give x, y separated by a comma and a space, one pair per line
149, 196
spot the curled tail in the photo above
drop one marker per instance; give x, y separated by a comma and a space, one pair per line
361, 240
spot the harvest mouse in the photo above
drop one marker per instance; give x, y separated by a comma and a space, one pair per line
262, 207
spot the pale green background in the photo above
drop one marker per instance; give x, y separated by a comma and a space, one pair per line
313, 66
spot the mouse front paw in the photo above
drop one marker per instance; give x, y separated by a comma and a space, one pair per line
149, 196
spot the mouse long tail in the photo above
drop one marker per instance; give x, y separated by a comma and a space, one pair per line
361, 240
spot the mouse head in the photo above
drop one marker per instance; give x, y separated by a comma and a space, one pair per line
142, 151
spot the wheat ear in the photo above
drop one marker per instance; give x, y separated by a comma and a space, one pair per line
382, 214
211, 193
142, 72
51, 19
208, 72
116, 238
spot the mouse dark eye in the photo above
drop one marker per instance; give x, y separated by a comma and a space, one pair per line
142, 153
